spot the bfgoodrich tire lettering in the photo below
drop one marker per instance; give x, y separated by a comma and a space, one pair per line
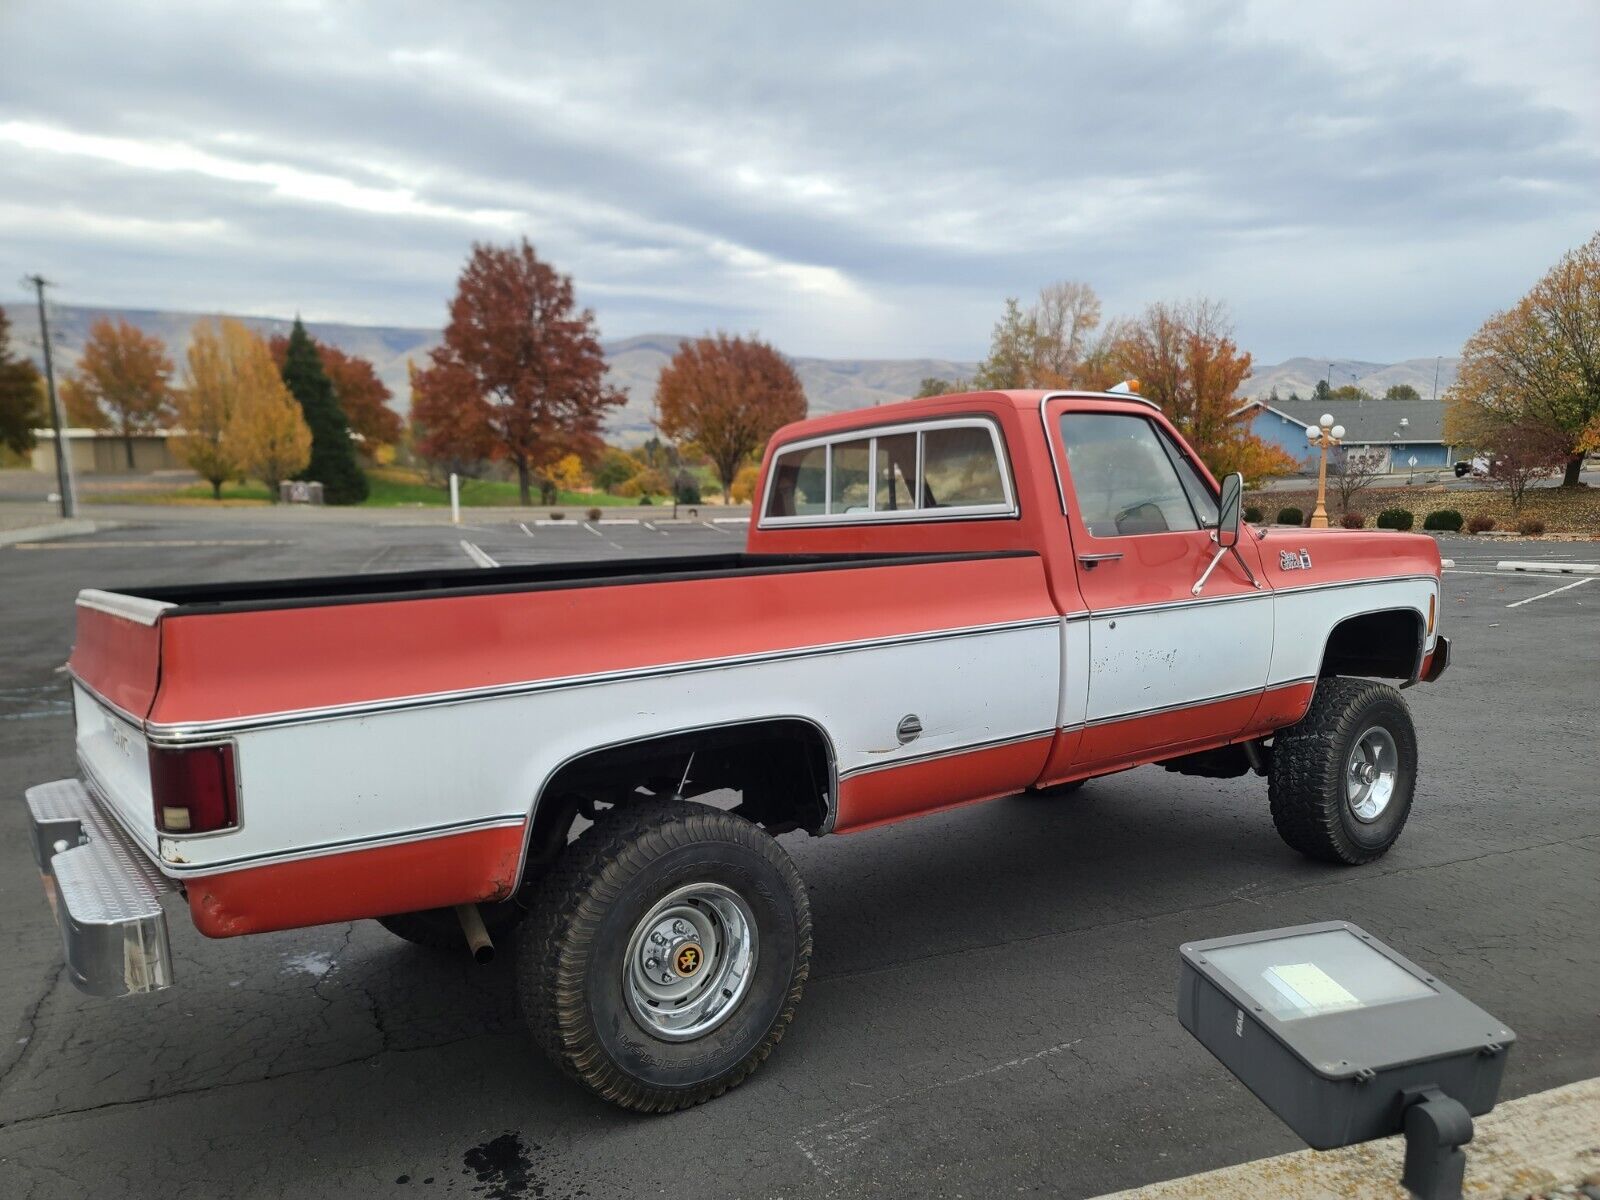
1311, 761
572, 952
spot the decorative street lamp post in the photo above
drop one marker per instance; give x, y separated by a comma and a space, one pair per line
1323, 435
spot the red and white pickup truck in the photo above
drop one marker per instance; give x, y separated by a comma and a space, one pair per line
941, 601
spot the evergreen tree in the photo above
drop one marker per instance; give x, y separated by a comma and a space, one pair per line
333, 455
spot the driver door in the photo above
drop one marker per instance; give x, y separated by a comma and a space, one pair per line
1168, 670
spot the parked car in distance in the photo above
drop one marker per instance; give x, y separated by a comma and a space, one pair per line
943, 601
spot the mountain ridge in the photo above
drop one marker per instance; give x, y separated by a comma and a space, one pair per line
831, 384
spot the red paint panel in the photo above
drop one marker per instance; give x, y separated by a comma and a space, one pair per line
120, 659
1338, 555
1281, 707
440, 872
878, 797
1119, 744
222, 665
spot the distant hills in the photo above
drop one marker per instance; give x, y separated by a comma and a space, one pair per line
832, 384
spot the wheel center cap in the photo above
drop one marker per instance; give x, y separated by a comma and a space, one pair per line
1369, 773
688, 959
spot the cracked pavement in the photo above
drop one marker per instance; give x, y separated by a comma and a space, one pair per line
991, 1004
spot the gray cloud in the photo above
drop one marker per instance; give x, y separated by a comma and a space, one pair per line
848, 179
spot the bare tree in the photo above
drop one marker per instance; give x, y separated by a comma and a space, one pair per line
1351, 469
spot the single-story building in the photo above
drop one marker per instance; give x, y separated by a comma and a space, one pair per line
1388, 433
101, 452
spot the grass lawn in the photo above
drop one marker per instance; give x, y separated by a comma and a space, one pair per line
388, 487
234, 495
395, 487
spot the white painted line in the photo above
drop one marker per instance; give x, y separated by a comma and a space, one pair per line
548, 521
718, 528
1558, 568
653, 529
618, 521
1553, 591
525, 528
478, 557
731, 520
594, 531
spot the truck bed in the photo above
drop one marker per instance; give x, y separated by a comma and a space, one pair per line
473, 581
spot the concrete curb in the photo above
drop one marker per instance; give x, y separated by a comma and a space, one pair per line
1523, 1147
76, 527
1548, 566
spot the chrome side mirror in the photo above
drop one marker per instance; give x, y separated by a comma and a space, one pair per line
1227, 532
1228, 510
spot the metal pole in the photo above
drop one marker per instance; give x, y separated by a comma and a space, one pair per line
69, 501
1319, 515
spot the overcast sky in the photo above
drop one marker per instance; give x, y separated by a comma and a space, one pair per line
1363, 178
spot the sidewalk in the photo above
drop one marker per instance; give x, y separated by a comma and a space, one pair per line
1547, 1144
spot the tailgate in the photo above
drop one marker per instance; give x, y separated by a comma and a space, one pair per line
116, 660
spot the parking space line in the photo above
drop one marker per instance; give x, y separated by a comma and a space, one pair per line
1553, 591
1506, 575
525, 528
478, 557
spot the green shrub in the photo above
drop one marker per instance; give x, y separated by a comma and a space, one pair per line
1396, 518
1480, 523
1447, 520
594, 514
1291, 516
645, 499
1253, 515
558, 516
1353, 520
1530, 527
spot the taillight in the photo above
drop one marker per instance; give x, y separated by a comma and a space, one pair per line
193, 789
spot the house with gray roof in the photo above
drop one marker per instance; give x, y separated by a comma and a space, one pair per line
1388, 432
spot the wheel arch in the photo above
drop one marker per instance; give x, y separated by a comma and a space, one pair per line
1379, 643
551, 814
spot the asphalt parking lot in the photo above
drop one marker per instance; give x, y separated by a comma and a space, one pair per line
991, 1009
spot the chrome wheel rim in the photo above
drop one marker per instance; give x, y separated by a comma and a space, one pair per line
1370, 774
690, 961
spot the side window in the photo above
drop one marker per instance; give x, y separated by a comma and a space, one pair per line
799, 484
1200, 497
959, 468
1124, 477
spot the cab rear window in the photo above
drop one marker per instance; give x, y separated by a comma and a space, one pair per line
930, 470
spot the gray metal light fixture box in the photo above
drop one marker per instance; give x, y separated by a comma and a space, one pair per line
1338, 1034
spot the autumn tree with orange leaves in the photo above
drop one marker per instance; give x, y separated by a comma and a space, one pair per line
1186, 360
520, 375
123, 382
727, 395
356, 386
1536, 366
238, 416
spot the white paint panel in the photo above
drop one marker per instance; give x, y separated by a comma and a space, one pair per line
1304, 619
1164, 657
1074, 674
391, 774
115, 757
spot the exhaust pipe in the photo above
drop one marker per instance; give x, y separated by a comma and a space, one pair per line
476, 933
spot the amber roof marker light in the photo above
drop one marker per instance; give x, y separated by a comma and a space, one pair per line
1347, 1041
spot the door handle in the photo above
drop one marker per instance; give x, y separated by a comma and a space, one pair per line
1093, 560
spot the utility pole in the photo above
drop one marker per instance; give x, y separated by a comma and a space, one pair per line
69, 501
1436, 363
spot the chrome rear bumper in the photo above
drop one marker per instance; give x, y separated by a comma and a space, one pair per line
105, 891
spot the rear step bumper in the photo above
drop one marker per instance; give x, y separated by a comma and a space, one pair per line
105, 891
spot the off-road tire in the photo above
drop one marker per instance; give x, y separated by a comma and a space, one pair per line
1306, 784
570, 955
440, 928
